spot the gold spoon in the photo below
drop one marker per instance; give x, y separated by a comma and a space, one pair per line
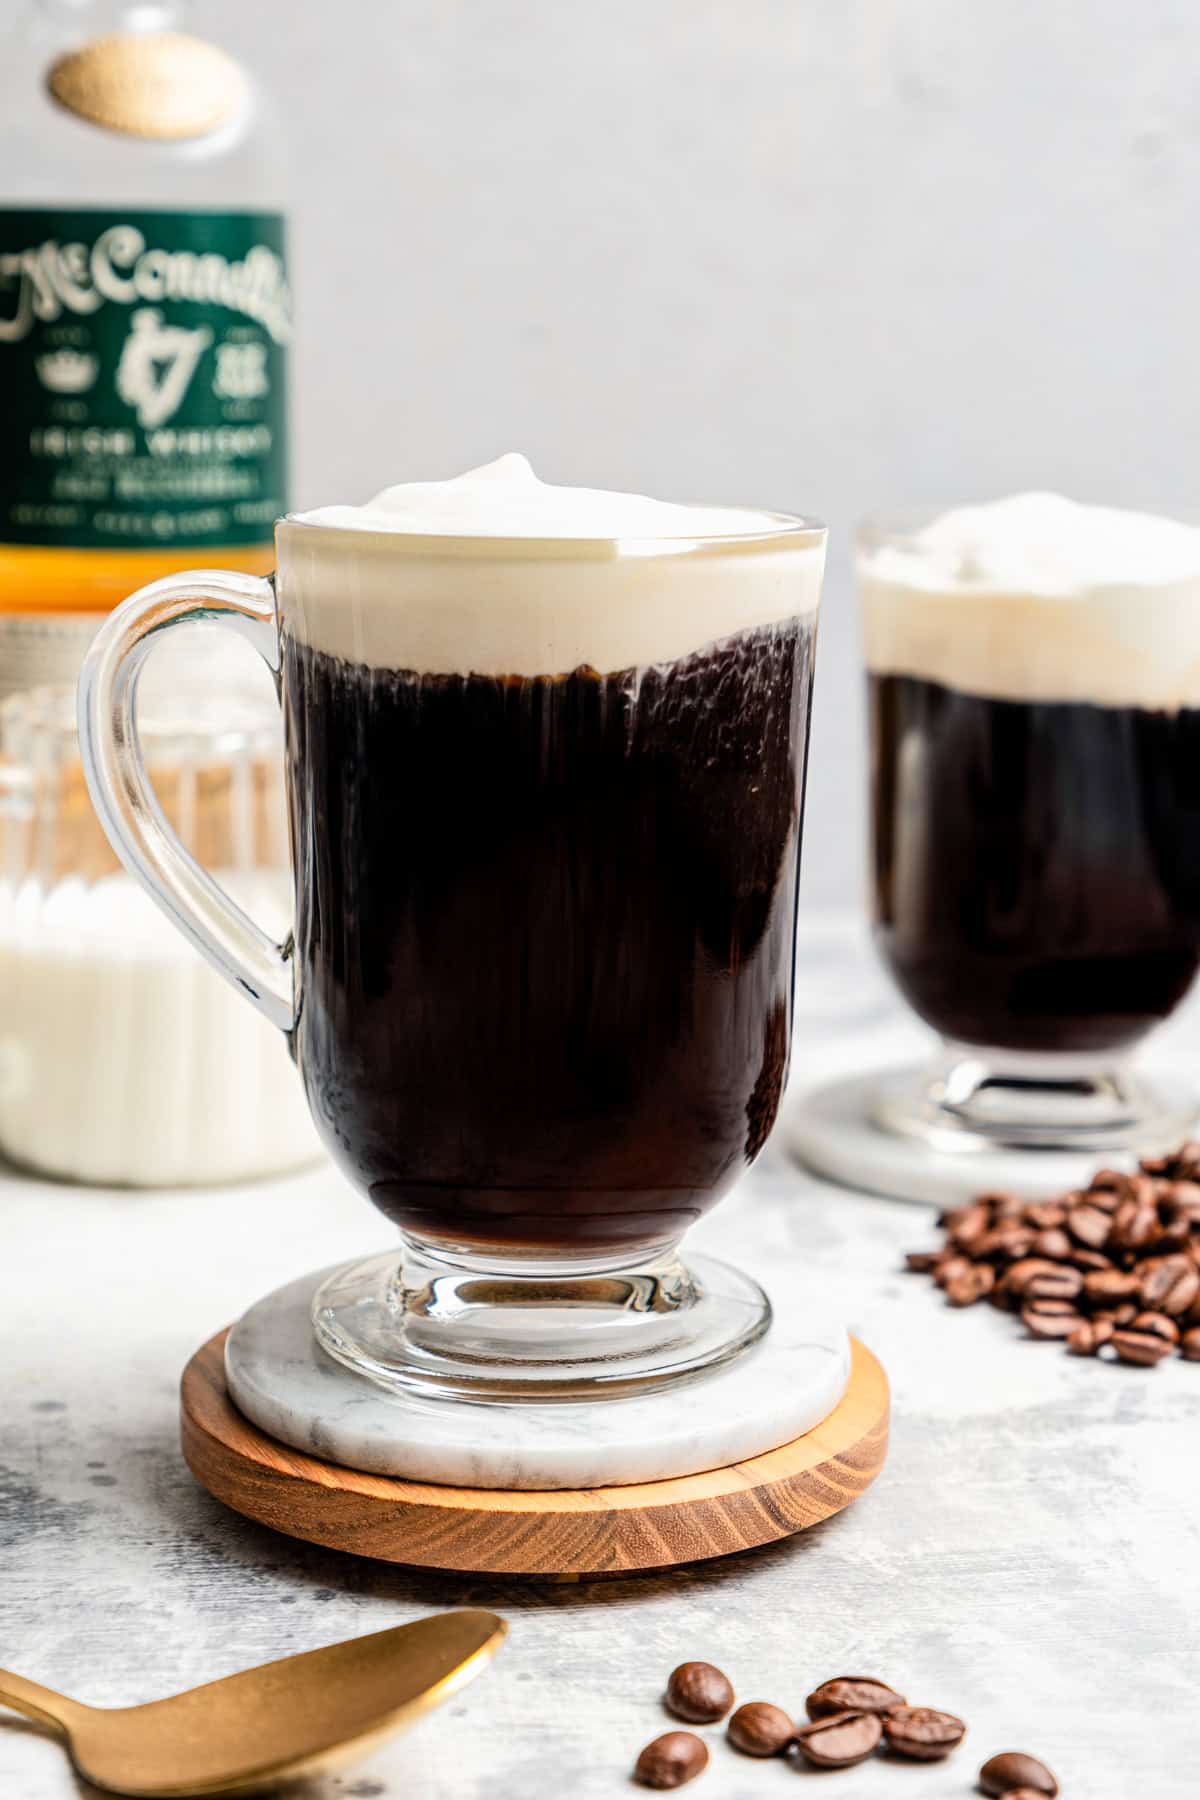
254, 1731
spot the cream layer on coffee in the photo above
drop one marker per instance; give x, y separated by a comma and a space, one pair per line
1036, 597
498, 573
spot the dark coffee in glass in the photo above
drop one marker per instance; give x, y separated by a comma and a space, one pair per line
1036, 864
545, 949
1034, 687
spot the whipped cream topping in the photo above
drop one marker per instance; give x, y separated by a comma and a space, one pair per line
505, 499
498, 573
1036, 597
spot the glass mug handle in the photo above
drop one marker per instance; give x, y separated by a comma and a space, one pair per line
120, 786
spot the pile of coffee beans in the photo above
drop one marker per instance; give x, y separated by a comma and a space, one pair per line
1113, 1267
849, 1717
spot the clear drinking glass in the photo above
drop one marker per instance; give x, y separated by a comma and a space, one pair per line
546, 803
1035, 845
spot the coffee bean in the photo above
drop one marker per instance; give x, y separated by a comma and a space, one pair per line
966, 1289
1157, 1275
852, 1693
1135, 1223
949, 1268
1089, 1225
1182, 1294
1189, 1345
923, 1733
1144, 1348
1110, 1287
839, 1740
1180, 1199
1024, 1793
1017, 1277
1049, 1318
1158, 1325
1044, 1215
699, 1693
1013, 1769
1083, 1341
1113, 1180
760, 1729
1089, 1261
1054, 1284
1107, 1199
1053, 1242
672, 1759
922, 1262
967, 1224
1005, 1242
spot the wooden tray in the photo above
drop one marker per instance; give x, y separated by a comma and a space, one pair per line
589, 1531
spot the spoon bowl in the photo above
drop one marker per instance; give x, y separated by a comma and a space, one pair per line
254, 1732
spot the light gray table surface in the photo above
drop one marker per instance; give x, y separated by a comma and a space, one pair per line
1030, 1557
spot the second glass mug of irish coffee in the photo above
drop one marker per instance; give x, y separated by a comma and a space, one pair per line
546, 799
1035, 751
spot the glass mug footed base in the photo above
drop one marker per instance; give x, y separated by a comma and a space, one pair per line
970, 1099
421, 1321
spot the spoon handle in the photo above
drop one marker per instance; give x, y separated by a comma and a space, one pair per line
39, 1703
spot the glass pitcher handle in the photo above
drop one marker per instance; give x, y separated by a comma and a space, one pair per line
120, 786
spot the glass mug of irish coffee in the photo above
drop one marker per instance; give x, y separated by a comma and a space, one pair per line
1034, 675
545, 756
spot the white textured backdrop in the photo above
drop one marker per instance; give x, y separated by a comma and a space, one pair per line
819, 254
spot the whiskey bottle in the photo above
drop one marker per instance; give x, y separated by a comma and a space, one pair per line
145, 317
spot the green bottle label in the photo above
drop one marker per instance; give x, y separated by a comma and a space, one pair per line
143, 377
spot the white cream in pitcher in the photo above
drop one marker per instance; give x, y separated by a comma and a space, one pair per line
125, 1059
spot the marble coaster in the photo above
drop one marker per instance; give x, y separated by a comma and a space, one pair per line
831, 1130
281, 1380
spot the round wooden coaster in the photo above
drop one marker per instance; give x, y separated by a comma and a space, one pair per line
590, 1531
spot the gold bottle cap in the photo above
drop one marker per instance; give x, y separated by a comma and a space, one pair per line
158, 84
